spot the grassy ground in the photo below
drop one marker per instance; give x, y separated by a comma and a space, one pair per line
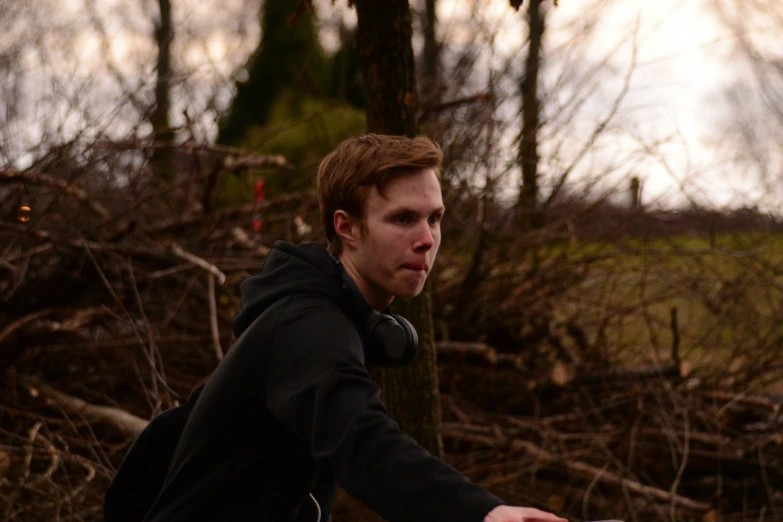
719, 300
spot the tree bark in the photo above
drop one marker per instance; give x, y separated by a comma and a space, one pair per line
412, 393
383, 37
528, 144
388, 72
163, 157
431, 55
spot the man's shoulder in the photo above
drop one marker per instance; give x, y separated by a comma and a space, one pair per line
302, 303
313, 303
302, 316
314, 327
316, 308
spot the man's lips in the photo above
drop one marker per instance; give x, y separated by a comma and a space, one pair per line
415, 266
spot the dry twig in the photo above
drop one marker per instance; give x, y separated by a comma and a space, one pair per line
124, 421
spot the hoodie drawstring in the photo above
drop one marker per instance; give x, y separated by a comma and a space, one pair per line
317, 507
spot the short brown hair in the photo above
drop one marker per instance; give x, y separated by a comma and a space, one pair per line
348, 172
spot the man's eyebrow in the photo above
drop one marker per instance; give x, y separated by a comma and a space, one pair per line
407, 210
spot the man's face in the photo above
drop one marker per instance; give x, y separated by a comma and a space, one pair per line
393, 253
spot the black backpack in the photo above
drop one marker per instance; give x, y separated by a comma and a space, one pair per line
140, 477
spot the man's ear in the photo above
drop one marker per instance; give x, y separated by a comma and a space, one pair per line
347, 227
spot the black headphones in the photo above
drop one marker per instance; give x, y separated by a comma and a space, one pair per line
389, 339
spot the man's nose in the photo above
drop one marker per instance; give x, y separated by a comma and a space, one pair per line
424, 237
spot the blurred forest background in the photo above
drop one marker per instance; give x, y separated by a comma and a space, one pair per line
605, 348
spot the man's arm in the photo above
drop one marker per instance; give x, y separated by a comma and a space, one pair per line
319, 388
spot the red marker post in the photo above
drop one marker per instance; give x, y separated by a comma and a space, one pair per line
259, 193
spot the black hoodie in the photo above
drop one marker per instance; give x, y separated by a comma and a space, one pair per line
291, 412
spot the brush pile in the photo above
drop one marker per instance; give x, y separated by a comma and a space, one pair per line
118, 291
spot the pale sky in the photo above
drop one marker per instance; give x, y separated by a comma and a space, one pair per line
684, 63
685, 60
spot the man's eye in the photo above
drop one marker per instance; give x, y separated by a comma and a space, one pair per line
434, 220
403, 219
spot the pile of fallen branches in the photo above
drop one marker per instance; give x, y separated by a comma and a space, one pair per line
117, 289
117, 292
652, 450
631, 448
98, 256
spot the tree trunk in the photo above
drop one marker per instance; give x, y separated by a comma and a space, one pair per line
431, 55
388, 72
162, 157
528, 144
411, 393
383, 37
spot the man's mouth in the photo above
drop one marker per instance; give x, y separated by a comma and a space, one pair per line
415, 266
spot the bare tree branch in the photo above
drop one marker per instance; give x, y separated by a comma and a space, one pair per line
51, 181
126, 422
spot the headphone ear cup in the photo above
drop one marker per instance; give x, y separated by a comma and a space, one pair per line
384, 340
390, 340
411, 340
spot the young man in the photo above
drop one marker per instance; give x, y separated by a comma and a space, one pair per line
291, 412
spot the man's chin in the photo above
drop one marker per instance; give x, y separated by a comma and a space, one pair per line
411, 293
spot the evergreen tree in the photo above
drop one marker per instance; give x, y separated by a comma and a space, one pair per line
289, 59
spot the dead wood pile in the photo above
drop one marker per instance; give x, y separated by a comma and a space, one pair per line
652, 448
118, 291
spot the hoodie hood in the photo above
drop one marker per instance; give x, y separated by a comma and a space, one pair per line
289, 270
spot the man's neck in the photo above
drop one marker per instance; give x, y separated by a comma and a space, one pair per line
371, 295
